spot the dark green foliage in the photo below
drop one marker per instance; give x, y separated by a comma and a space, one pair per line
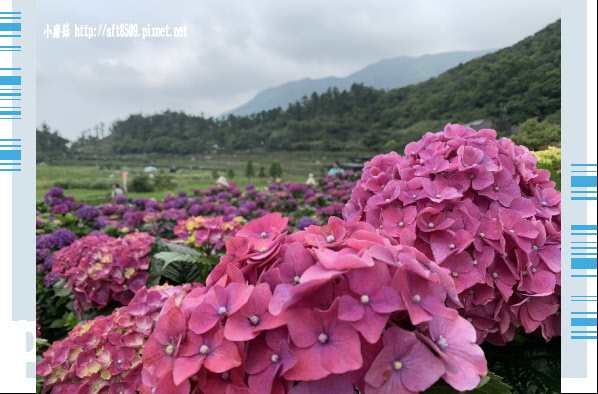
249, 170
54, 310
49, 144
528, 364
489, 384
275, 169
215, 174
177, 264
163, 182
262, 173
536, 135
516, 83
141, 183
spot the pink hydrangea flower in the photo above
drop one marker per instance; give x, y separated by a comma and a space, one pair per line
98, 354
101, 269
405, 365
483, 211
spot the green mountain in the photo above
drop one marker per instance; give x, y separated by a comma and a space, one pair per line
511, 85
385, 74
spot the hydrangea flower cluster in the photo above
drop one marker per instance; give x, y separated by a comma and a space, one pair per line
101, 268
479, 208
204, 230
104, 354
59, 203
335, 307
159, 217
44, 245
88, 212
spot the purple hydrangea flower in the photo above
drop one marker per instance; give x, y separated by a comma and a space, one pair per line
44, 241
305, 222
51, 279
121, 199
88, 212
140, 202
108, 210
53, 196
180, 202
195, 210
62, 238
61, 209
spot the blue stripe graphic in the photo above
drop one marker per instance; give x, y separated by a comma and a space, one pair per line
583, 227
10, 80
583, 181
583, 322
10, 155
10, 27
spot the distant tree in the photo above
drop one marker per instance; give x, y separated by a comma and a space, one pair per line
215, 174
50, 144
275, 169
230, 174
262, 173
249, 170
536, 135
164, 182
391, 145
141, 183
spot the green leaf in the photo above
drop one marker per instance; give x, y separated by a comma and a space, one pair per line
179, 273
178, 264
170, 257
172, 247
42, 342
63, 292
489, 384
492, 384
529, 365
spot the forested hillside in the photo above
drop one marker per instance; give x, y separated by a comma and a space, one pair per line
517, 83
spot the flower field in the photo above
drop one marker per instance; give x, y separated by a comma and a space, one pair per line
429, 271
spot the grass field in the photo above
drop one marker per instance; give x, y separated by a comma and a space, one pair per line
91, 180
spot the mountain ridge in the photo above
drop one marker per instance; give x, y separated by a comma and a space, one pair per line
384, 74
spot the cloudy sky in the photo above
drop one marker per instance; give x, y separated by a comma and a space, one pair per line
236, 48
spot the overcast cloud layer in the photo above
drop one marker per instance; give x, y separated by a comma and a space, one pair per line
235, 49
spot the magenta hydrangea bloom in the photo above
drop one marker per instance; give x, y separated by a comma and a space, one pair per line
321, 307
101, 269
478, 207
210, 350
268, 359
405, 365
201, 230
100, 353
324, 344
454, 340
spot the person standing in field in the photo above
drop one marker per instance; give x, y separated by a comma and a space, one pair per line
336, 169
222, 181
125, 174
116, 191
310, 180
